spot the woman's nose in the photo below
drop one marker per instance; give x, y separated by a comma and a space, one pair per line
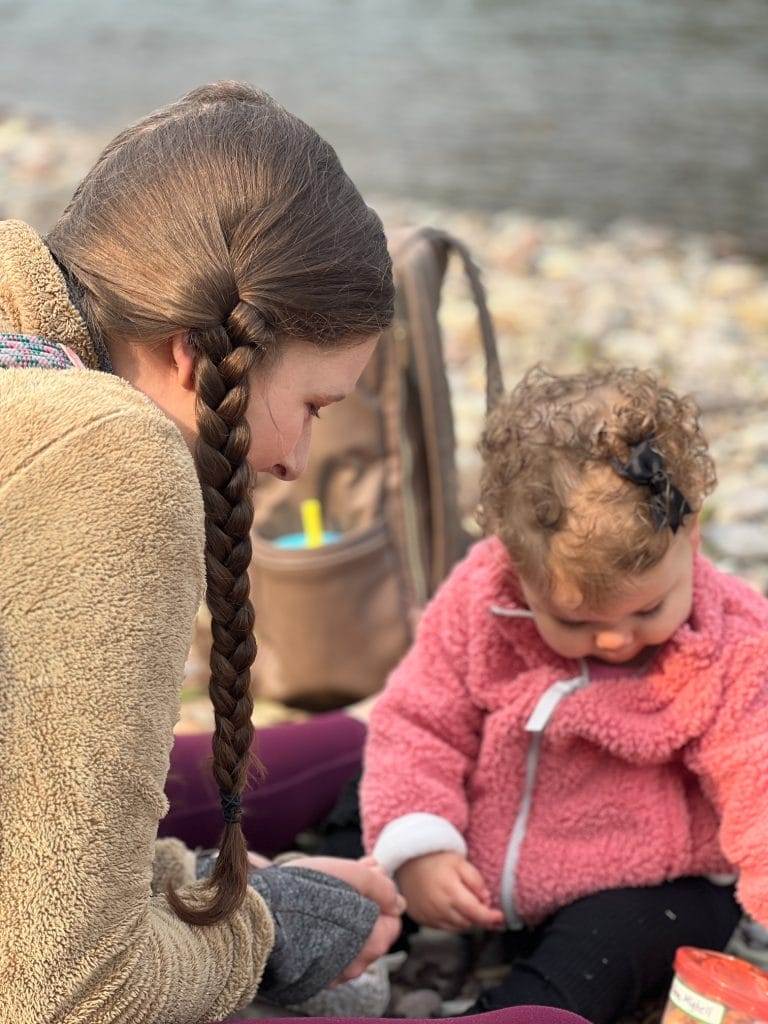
611, 640
284, 472
295, 464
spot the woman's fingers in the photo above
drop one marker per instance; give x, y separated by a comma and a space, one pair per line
381, 889
365, 875
383, 934
255, 860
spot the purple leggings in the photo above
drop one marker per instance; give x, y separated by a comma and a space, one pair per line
513, 1015
307, 764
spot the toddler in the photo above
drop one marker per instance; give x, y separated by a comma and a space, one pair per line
574, 749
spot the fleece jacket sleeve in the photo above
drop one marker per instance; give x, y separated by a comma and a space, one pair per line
321, 924
730, 759
424, 736
100, 578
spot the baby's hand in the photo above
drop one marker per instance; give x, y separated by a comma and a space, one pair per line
443, 890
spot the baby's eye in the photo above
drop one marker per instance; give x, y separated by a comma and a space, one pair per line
650, 612
313, 410
570, 623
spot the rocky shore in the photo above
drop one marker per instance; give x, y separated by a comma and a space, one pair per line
689, 306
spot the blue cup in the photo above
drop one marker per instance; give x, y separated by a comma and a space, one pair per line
297, 541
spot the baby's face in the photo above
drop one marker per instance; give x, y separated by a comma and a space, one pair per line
649, 609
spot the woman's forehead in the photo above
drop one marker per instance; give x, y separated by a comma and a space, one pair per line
331, 372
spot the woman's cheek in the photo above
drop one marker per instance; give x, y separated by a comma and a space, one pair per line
272, 443
300, 453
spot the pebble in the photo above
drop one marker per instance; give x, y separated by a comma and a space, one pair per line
738, 541
419, 1002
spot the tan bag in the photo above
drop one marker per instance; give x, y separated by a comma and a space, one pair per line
332, 621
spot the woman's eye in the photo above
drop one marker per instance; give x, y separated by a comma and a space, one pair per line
313, 410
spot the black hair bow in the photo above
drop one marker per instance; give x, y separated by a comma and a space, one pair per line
645, 467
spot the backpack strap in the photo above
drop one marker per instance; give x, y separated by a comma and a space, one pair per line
30, 350
494, 380
420, 261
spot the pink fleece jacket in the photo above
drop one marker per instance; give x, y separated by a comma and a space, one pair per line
555, 785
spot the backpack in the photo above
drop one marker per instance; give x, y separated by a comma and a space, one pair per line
332, 621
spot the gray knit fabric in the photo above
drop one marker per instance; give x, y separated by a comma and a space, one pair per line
321, 924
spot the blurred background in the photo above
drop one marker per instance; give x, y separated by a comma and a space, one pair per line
606, 160
591, 109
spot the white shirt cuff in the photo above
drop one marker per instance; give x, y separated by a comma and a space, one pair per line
414, 835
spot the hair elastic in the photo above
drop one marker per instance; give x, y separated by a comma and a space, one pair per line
231, 807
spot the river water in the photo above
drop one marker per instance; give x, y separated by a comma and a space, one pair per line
591, 109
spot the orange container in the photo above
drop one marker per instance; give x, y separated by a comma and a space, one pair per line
712, 988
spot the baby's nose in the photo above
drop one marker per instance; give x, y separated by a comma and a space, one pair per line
611, 640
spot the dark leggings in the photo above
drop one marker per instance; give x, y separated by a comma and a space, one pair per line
307, 765
601, 955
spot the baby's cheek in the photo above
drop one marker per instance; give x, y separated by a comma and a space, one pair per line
567, 645
660, 632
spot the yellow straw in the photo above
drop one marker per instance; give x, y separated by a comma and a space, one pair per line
312, 521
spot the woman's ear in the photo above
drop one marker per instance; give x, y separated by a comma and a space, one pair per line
183, 357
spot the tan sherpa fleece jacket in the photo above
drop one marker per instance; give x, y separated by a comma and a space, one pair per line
101, 572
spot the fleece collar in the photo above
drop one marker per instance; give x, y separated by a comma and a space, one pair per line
33, 293
644, 718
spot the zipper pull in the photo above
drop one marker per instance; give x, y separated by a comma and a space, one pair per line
549, 700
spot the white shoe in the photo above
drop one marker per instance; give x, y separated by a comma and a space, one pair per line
750, 942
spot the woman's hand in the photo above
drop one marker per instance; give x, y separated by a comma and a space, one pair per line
370, 880
365, 875
255, 860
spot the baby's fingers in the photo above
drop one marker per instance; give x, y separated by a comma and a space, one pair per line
454, 920
474, 881
475, 911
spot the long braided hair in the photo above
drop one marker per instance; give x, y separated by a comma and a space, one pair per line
228, 217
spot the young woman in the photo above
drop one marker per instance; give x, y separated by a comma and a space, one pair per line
214, 282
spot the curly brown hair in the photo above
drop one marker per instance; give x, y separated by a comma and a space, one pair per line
550, 490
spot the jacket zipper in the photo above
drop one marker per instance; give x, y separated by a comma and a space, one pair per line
536, 724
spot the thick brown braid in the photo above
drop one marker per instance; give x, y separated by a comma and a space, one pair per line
225, 216
225, 357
